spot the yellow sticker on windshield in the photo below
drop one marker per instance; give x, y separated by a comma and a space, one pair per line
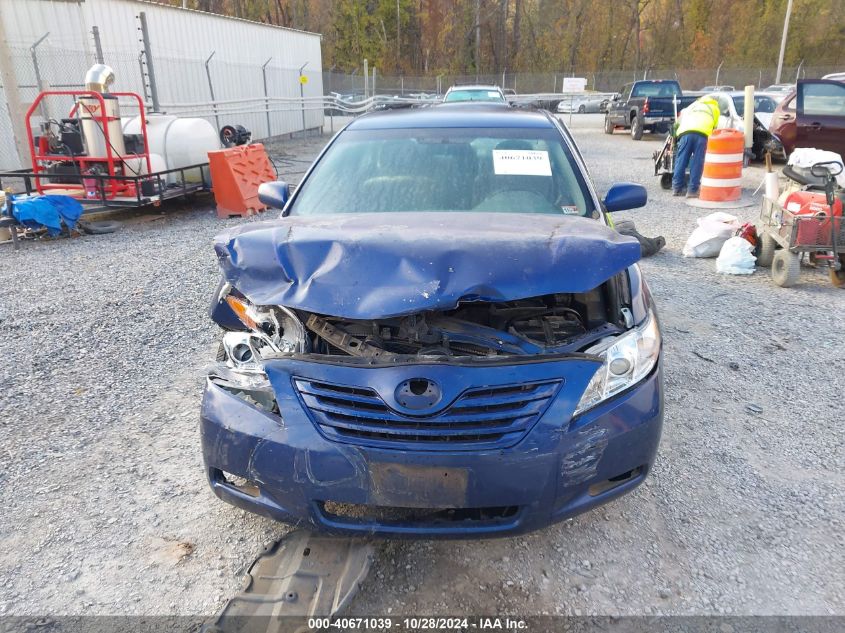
521, 162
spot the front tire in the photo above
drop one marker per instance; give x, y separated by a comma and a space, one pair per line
786, 268
581, 109
608, 126
768, 246
636, 128
666, 181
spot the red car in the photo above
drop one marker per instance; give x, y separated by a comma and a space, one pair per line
813, 115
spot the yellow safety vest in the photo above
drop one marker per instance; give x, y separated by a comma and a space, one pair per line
702, 117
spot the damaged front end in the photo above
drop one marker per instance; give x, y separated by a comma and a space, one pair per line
487, 414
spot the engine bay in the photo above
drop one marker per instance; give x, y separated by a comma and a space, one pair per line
537, 325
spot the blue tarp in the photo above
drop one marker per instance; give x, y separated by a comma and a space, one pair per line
48, 212
380, 265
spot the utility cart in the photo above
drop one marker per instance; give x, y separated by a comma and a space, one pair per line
809, 223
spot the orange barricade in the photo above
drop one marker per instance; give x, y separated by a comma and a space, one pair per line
722, 177
236, 173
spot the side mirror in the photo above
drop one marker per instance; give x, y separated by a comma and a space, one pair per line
274, 194
625, 195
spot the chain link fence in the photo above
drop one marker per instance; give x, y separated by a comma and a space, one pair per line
551, 82
268, 100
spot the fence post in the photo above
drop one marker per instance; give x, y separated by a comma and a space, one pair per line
374, 81
302, 97
211, 91
266, 96
143, 76
366, 78
38, 81
98, 46
13, 97
148, 58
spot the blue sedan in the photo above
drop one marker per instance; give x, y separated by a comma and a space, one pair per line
441, 336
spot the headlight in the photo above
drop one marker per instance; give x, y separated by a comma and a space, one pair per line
275, 326
627, 360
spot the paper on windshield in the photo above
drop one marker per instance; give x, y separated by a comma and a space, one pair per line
521, 162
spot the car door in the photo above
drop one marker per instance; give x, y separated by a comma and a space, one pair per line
619, 107
820, 115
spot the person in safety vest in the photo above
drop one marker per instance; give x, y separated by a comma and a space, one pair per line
695, 124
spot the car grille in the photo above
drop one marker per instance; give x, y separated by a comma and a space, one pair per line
486, 417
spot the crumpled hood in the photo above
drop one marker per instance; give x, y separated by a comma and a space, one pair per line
375, 265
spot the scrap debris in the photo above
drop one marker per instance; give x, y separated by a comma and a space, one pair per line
302, 576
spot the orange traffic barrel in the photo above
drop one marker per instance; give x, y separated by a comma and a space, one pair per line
722, 177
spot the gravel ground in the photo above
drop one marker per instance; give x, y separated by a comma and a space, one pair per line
106, 510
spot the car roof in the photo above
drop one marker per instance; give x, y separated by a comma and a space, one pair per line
457, 115
474, 87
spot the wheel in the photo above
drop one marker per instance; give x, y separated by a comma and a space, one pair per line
837, 277
786, 268
636, 128
768, 246
608, 126
666, 181
581, 109
102, 227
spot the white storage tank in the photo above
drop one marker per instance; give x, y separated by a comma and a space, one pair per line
176, 142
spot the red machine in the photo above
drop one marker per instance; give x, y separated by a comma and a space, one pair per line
812, 204
88, 158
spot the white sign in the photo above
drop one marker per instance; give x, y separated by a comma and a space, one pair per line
521, 162
573, 84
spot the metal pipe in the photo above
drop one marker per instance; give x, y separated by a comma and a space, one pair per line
211, 90
718, 70
98, 78
98, 45
302, 95
798, 72
148, 58
783, 40
44, 112
266, 94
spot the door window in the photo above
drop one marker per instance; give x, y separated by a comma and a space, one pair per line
789, 104
824, 99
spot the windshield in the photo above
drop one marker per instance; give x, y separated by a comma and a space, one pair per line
474, 95
445, 169
764, 105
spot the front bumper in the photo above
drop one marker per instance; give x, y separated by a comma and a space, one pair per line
560, 467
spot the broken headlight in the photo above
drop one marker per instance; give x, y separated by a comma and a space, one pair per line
627, 360
270, 330
272, 327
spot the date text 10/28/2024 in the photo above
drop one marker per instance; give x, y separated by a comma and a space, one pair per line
424, 623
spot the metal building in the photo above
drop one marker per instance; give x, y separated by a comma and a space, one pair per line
252, 70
